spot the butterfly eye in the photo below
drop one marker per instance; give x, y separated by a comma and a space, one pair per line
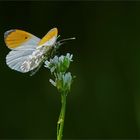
26, 37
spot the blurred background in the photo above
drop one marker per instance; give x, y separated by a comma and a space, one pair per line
105, 97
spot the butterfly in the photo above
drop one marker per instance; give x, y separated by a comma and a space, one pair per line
29, 52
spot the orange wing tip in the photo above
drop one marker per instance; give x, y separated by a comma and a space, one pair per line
52, 33
14, 38
55, 31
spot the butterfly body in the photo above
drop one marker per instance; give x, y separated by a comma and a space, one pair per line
35, 59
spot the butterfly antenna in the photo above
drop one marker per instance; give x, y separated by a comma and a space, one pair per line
72, 38
60, 42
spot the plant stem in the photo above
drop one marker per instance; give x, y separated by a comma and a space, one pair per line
60, 123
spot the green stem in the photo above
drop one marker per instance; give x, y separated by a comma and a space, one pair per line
60, 123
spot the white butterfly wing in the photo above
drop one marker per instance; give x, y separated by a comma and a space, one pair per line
16, 57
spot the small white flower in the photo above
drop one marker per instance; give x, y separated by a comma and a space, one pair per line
53, 69
67, 79
61, 58
52, 82
54, 60
47, 64
69, 56
60, 64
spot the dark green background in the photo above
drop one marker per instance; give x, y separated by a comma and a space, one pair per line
105, 97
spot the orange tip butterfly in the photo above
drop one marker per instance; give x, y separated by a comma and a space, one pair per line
28, 52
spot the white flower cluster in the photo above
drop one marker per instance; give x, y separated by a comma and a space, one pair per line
58, 67
60, 64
